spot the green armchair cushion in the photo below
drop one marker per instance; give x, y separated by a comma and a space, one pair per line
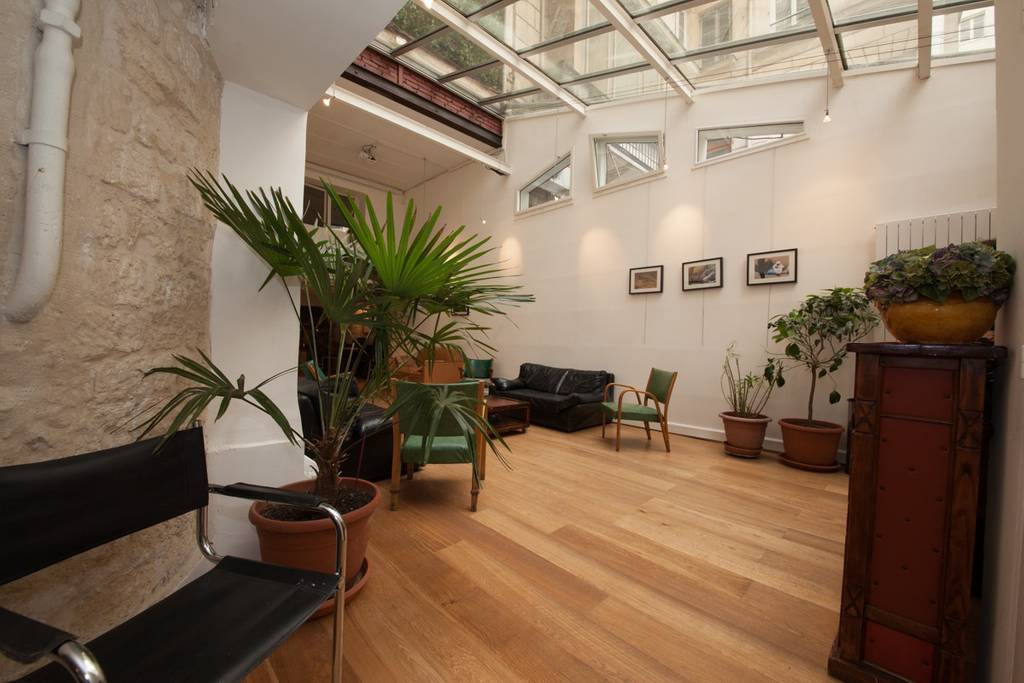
443, 450
630, 411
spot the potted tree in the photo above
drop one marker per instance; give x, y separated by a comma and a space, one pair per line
747, 394
816, 334
396, 279
941, 296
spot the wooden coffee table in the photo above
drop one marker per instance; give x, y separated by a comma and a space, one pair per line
508, 415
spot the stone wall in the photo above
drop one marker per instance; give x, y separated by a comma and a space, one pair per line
134, 278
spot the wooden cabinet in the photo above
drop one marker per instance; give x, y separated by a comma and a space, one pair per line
918, 454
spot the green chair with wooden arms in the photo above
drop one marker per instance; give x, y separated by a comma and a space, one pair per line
659, 392
421, 436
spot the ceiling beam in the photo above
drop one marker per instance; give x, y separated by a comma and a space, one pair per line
380, 111
827, 34
924, 39
481, 37
618, 17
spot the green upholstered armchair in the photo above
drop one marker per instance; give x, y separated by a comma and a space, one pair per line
419, 438
477, 368
658, 391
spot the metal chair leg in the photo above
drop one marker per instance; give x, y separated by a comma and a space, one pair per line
337, 655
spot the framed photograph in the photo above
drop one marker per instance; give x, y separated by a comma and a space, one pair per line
646, 280
706, 274
771, 267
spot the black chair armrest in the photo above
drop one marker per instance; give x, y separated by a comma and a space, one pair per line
508, 384
268, 494
589, 397
26, 640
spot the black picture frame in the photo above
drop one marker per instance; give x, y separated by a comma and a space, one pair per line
660, 270
717, 283
761, 264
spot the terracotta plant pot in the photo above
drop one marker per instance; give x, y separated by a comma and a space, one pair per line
810, 446
744, 436
311, 545
929, 322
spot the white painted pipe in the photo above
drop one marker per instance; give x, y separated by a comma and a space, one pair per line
47, 140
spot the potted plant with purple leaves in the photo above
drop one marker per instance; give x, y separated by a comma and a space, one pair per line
947, 295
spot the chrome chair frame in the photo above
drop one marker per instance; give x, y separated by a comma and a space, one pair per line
82, 665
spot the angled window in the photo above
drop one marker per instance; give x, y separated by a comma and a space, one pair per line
553, 185
621, 159
715, 143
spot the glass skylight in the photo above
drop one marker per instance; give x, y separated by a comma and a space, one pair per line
711, 43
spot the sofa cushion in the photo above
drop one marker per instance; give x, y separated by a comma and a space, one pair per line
584, 382
543, 401
542, 377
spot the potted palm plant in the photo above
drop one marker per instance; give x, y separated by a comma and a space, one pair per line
747, 394
948, 295
816, 334
395, 278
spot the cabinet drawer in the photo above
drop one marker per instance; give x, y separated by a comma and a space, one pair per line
918, 392
899, 653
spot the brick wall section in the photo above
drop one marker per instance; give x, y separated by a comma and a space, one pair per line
388, 68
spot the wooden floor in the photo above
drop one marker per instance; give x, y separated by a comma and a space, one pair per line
584, 564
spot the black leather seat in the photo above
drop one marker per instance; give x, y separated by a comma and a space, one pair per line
559, 398
216, 628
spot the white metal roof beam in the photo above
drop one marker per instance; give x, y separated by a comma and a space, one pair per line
827, 34
618, 17
423, 130
481, 37
924, 39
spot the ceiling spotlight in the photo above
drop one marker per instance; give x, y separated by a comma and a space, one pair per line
369, 153
400, 40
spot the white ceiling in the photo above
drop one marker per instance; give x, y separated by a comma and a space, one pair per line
293, 50
335, 136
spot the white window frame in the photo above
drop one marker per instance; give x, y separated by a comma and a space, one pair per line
554, 203
637, 136
315, 183
700, 159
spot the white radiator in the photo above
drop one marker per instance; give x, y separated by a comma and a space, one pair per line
950, 228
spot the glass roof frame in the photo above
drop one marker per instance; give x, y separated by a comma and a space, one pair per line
642, 16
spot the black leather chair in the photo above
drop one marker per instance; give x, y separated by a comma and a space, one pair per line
216, 628
559, 398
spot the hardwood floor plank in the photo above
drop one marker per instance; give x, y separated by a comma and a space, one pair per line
584, 564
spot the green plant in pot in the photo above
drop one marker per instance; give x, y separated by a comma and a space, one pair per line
947, 295
815, 335
747, 394
395, 277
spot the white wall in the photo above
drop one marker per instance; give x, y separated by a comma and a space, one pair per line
262, 144
896, 148
1004, 627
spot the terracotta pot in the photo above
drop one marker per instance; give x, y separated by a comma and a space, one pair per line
929, 322
311, 545
810, 446
744, 436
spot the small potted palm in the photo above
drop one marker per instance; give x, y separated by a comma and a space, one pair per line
747, 394
815, 335
396, 279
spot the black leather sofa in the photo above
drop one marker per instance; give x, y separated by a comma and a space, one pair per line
371, 460
559, 398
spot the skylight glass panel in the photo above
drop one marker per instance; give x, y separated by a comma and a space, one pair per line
497, 79
599, 53
553, 185
965, 32
619, 87
447, 53
527, 23
844, 11
725, 21
468, 6
410, 23
636, 6
770, 61
541, 101
880, 45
